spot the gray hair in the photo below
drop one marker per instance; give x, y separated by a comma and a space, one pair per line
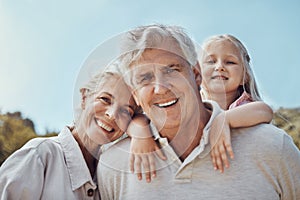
249, 83
156, 36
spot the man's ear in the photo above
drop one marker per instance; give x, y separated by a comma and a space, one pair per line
197, 73
83, 97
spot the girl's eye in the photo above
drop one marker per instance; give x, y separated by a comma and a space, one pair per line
231, 63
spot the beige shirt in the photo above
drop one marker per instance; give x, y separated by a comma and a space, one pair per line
266, 166
47, 168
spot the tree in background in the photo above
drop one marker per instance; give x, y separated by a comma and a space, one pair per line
289, 120
15, 132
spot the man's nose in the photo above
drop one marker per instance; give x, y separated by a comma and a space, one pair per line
160, 85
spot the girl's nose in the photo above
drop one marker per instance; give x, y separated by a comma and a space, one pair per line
219, 67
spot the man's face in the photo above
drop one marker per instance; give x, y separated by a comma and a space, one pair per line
165, 87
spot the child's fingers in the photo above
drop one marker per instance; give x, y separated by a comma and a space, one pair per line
137, 167
213, 158
224, 156
146, 167
228, 147
219, 160
131, 163
152, 166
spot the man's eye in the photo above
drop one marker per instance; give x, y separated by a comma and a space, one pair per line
171, 68
146, 78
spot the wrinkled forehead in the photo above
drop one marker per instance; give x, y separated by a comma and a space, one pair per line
154, 57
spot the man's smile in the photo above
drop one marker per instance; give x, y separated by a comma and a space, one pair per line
167, 104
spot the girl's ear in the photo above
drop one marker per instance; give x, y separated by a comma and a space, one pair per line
83, 97
197, 73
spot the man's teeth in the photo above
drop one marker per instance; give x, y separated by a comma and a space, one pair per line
107, 128
167, 103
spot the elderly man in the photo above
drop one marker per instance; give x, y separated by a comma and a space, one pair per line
162, 67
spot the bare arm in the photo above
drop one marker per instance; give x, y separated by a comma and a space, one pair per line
249, 114
139, 127
143, 147
242, 116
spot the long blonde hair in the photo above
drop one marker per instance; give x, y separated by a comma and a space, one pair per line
249, 83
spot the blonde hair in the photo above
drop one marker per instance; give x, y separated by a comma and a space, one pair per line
249, 83
92, 86
156, 36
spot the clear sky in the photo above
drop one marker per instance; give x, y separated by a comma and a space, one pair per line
43, 44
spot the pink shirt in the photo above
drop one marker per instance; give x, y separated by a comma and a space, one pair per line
243, 99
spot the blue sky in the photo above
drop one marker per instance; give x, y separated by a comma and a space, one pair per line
43, 44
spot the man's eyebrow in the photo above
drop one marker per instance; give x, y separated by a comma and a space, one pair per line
175, 65
143, 74
179, 65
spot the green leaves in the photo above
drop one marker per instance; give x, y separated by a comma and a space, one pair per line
14, 133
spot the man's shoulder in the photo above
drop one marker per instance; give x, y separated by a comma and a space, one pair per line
265, 136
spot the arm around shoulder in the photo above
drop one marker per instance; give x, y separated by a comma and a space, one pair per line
249, 114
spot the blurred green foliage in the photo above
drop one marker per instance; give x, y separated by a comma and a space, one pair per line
289, 120
15, 131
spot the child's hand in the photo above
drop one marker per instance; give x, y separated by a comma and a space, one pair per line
143, 152
220, 141
143, 148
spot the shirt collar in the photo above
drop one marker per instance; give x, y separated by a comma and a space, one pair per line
214, 109
76, 165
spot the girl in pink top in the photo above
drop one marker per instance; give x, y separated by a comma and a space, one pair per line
227, 78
